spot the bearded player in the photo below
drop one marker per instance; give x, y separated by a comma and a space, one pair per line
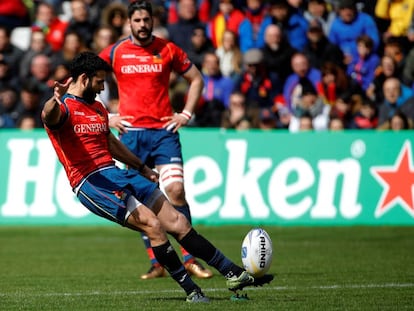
142, 64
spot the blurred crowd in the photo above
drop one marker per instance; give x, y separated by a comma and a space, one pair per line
270, 64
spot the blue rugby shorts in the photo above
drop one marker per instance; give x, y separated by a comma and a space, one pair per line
154, 146
105, 192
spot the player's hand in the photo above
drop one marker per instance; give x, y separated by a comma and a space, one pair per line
60, 89
174, 122
150, 174
120, 123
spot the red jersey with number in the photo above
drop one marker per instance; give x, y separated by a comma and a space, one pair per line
80, 139
143, 74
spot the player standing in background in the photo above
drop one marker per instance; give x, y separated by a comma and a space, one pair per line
142, 64
78, 128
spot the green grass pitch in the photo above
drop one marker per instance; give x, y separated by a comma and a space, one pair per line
315, 268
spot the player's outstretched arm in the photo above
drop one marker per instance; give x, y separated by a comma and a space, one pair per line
51, 112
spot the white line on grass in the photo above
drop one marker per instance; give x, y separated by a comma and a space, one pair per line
151, 292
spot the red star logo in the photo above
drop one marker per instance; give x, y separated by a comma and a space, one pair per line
397, 181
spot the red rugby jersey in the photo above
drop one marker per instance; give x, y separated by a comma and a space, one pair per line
143, 74
81, 138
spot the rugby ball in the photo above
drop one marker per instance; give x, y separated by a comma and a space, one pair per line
257, 252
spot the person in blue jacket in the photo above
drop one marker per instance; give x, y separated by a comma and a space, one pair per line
348, 26
294, 25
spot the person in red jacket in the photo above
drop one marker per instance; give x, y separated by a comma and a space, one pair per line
47, 21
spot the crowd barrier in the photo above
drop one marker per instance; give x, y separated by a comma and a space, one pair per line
249, 177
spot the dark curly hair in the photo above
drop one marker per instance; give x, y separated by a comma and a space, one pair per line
88, 63
138, 6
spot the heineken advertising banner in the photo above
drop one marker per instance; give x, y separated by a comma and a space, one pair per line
250, 177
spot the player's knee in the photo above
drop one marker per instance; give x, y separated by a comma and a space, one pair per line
175, 192
154, 225
155, 231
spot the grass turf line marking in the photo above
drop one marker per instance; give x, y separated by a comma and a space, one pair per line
173, 291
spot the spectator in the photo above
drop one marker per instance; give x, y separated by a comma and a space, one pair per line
200, 45
115, 15
400, 14
230, 56
72, 46
362, 67
343, 108
319, 50
61, 73
255, 81
80, 22
26, 122
104, 36
14, 14
318, 10
301, 69
7, 78
228, 18
96, 9
38, 45
305, 122
277, 53
237, 115
8, 103
394, 49
336, 124
216, 93
267, 119
9, 53
47, 21
309, 103
282, 112
216, 86
182, 31
366, 117
348, 26
386, 69
30, 102
203, 10
396, 96
159, 25
255, 12
41, 71
335, 82
408, 71
293, 24
399, 121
